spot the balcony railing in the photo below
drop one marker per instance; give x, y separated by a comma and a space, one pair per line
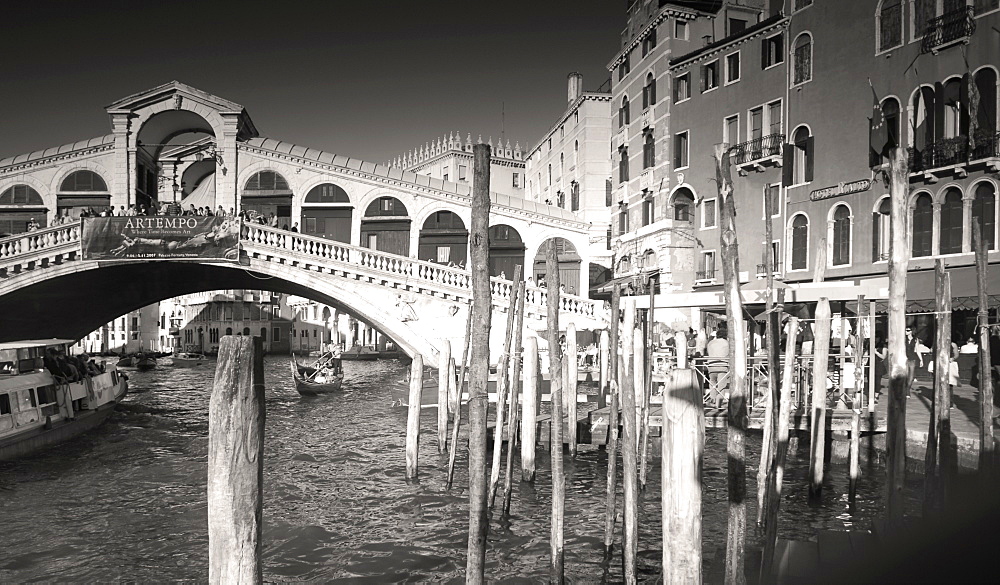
757, 149
775, 269
987, 145
705, 275
942, 153
949, 28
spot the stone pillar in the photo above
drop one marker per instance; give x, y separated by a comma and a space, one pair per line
415, 239
119, 183
967, 222
584, 290
936, 231
227, 166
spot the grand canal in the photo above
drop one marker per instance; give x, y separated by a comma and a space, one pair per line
127, 502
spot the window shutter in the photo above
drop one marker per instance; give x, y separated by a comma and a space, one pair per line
938, 111
963, 98
763, 54
876, 236
810, 158
704, 78
787, 160
652, 91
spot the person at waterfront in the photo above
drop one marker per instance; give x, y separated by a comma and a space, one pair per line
718, 365
914, 359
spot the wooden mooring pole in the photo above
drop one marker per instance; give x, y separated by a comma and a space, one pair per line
604, 358
612, 448
945, 457
859, 392
572, 372
899, 260
480, 366
941, 398
680, 477
413, 415
647, 384
737, 412
630, 529
985, 363
515, 392
444, 374
502, 386
817, 434
529, 409
771, 334
235, 462
556, 569
457, 402
776, 478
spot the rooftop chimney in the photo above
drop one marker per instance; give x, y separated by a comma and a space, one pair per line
575, 89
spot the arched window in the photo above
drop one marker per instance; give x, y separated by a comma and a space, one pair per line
268, 181
649, 91
841, 236
985, 121
246, 331
267, 193
923, 225
648, 151
922, 125
800, 242
229, 330
683, 205
562, 164
20, 195
623, 117
26, 206
953, 108
802, 59
622, 164
952, 226
327, 193
890, 24
576, 152
984, 206
881, 234
82, 191
799, 160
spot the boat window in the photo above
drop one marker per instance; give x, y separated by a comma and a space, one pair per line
47, 400
29, 365
26, 400
4, 404
6, 367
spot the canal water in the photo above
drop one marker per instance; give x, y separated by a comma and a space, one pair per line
127, 502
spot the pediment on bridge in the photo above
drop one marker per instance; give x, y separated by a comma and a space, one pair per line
176, 95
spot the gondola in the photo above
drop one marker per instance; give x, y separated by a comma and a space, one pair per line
311, 380
145, 362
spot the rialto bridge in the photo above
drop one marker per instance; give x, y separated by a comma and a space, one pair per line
385, 245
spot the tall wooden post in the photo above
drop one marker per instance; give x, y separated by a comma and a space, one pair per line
737, 412
680, 478
944, 399
502, 386
480, 369
529, 409
985, 363
781, 449
639, 377
647, 385
817, 434
515, 377
572, 372
235, 462
413, 415
604, 357
771, 334
457, 402
899, 260
443, 386
556, 573
630, 529
941, 399
614, 389
856, 403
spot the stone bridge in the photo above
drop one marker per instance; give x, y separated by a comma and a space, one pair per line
47, 290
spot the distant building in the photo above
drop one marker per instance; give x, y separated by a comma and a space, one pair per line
450, 159
207, 316
134, 331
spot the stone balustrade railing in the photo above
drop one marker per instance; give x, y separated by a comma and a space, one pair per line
22, 249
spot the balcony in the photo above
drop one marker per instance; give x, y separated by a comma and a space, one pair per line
949, 29
704, 276
757, 154
646, 119
646, 180
762, 272
987, 149
951, 156
620, 137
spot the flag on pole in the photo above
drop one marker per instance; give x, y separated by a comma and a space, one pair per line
878, 139
974, 98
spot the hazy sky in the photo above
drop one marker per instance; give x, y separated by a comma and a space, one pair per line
368, 78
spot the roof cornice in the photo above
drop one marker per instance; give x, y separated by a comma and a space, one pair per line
587, 95
675, 11
709, 51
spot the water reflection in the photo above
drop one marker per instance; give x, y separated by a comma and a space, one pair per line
128, 501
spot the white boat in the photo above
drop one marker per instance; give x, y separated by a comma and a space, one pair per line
189, 359
37, 410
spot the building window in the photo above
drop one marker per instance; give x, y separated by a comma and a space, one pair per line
607, 192
951, 225
709, 76
682, 87
799, 169
800, 242
649, 91
756, 123
623, 221
841, 236
443, 254
648, 151
984, 6
576, 153
549, 184
681, 150
733, 68
802, 59
562, 164
772, 50
576, 117
562, 132
923, 11
574, 196
624, 68
731, 130
707, 271
622, 164
517, 180
649, 43
683, 205
774, 118
890, 24
737, 25
881, 234
984, 212
773, 196
462, 170
647, 211
800, 4
922, 225
623, 117
708, 215
680, 30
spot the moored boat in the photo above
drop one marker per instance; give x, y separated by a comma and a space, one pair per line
38, 410
323, 377
144, 362
359, 352
189, 359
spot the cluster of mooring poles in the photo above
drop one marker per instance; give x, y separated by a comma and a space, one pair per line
236, 414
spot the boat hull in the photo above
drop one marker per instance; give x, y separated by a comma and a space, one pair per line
309, 388
186, 362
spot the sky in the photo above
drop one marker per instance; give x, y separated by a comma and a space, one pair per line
370, 79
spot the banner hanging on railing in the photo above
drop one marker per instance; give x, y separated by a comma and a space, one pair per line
161, 237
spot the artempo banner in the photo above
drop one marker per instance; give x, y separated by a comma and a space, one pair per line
161, 237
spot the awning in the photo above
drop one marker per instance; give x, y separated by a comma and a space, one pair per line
920, 285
